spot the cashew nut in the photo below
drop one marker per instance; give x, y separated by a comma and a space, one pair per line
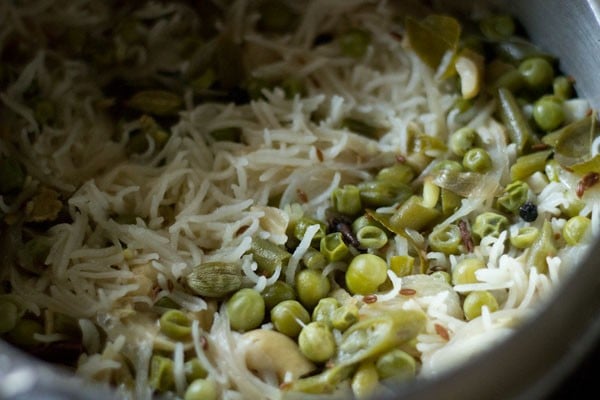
271, 352
275, 221
469, 66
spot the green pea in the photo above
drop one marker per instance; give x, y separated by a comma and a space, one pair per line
575, 229
9, 315
562, 87
161, 373
489, 223
333, 247
365, 273
446, 239
245, 309
354, 42
515, 194
462, 140
12, 175
176, 325
476, 300
447, 165
346, 200
525, 237
24, 331
537, 72
288, 317
548, 114
497, 27
477, 160
396, 364
344, 317
371, 237
316, 342
311, 286
398, 173
194, 370
314, 259
323, 312
365, 380
278, 292
464, 271
202, 389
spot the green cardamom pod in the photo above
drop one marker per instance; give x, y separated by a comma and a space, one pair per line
215, 279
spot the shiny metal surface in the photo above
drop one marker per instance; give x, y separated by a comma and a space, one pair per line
536, 360
531, 363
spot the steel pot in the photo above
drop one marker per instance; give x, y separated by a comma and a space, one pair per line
532, 363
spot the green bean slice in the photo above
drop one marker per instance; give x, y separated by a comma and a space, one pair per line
375, 335
176, 325
333, 247
447, 239
371, 237
543, 247
512, 116
161, 373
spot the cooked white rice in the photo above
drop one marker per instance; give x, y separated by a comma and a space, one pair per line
198, 200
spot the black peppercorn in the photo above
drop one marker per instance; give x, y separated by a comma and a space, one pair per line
528, 211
